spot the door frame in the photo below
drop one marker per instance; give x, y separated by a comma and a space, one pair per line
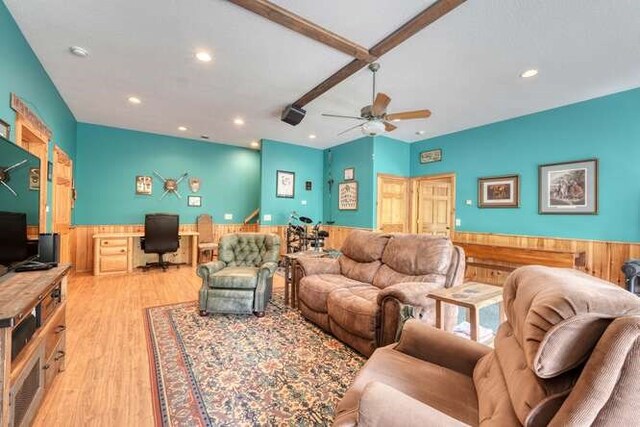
59, 152
407, 195
413, 209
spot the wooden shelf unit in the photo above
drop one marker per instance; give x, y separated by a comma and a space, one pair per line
25, 380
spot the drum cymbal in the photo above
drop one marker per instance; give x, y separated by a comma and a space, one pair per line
305, 219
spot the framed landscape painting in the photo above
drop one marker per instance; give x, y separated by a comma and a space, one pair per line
499, 191
568, 188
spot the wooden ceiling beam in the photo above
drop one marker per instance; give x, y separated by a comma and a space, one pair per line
425, 18
297, 23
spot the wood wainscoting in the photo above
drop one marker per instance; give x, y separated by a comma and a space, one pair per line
337, 235
82, 251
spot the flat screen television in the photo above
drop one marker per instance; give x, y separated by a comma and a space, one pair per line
19, 204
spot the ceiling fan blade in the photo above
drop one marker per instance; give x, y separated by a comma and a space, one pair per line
388, 127
409, 115
380, 104
343, 117
350, 129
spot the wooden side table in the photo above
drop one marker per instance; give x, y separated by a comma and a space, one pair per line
472, 296
290, 279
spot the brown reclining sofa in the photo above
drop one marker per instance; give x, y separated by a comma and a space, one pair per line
380, 280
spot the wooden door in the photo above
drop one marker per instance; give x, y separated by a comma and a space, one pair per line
62, 201
393, 202
37, 144
434, 205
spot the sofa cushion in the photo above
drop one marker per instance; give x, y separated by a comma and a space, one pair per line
494, 404
558, 315
443, 389
364, 246
360, 271
355, 310
387, 276
235, 278
315, 289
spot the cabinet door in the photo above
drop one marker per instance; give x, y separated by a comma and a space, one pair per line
113, 263
28, 390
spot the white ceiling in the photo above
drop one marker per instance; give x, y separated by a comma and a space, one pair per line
465, 67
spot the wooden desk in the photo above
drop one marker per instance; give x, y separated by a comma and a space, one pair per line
471, 295
118, 253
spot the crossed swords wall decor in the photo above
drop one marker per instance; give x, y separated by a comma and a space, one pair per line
170, 184
5, 177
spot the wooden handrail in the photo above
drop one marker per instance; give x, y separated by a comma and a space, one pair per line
252, 215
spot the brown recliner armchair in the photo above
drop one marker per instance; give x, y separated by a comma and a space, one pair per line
379, 281
568, 355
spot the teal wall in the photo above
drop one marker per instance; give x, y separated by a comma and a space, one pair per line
21, 73
359, 155
306, 163
109, 159
606, 128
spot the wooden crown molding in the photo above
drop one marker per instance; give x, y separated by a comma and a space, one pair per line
28, 116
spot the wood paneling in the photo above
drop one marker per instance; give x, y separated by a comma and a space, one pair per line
82, 250
337, 235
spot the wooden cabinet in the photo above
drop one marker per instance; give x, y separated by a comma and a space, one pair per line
26, 378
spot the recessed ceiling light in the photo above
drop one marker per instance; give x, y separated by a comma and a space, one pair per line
134, 100
204, 136
420, 132
79, 51
529, 73
312, 136
203, 56
182, 128
238, 121
255, 144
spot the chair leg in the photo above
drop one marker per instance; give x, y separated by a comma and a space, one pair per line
202, 312
259, 313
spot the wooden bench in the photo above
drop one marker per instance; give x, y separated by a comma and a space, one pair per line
507, 259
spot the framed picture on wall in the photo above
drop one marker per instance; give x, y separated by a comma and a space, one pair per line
285, 184
568, 188
144, 185
5, 129
49, 171
348, 196
194, 201
34, 178
499, 191
431, 156
349, 174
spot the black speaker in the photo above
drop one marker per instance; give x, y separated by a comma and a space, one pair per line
292, 114
49, 247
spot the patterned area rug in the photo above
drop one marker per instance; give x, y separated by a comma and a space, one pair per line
231, 370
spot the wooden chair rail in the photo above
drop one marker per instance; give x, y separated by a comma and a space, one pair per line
495, 257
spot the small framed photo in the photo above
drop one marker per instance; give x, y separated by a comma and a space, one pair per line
144, 185
348, 196
285, 184
194, 201
349, 174
568, 188
431, 156
49, 171
34, 179
499, 191
5, 129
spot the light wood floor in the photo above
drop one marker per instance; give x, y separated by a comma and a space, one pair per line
106, 382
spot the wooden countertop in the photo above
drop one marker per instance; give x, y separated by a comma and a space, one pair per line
140, 234
20, 292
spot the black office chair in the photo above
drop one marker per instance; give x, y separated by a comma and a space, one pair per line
160, 237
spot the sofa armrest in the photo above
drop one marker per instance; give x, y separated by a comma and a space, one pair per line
439, 347
412, 293
268, 269
209, 268
312, 266
383, 405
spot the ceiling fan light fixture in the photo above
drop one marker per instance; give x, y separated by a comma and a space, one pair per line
373, 127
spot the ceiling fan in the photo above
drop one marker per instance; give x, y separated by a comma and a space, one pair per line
374, 117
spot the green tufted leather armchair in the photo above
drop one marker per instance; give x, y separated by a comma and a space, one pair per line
242, 278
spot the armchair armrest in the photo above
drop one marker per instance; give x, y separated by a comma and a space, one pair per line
413, 293
268, 269
382, 405
209, 268
441, 348
312, 266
